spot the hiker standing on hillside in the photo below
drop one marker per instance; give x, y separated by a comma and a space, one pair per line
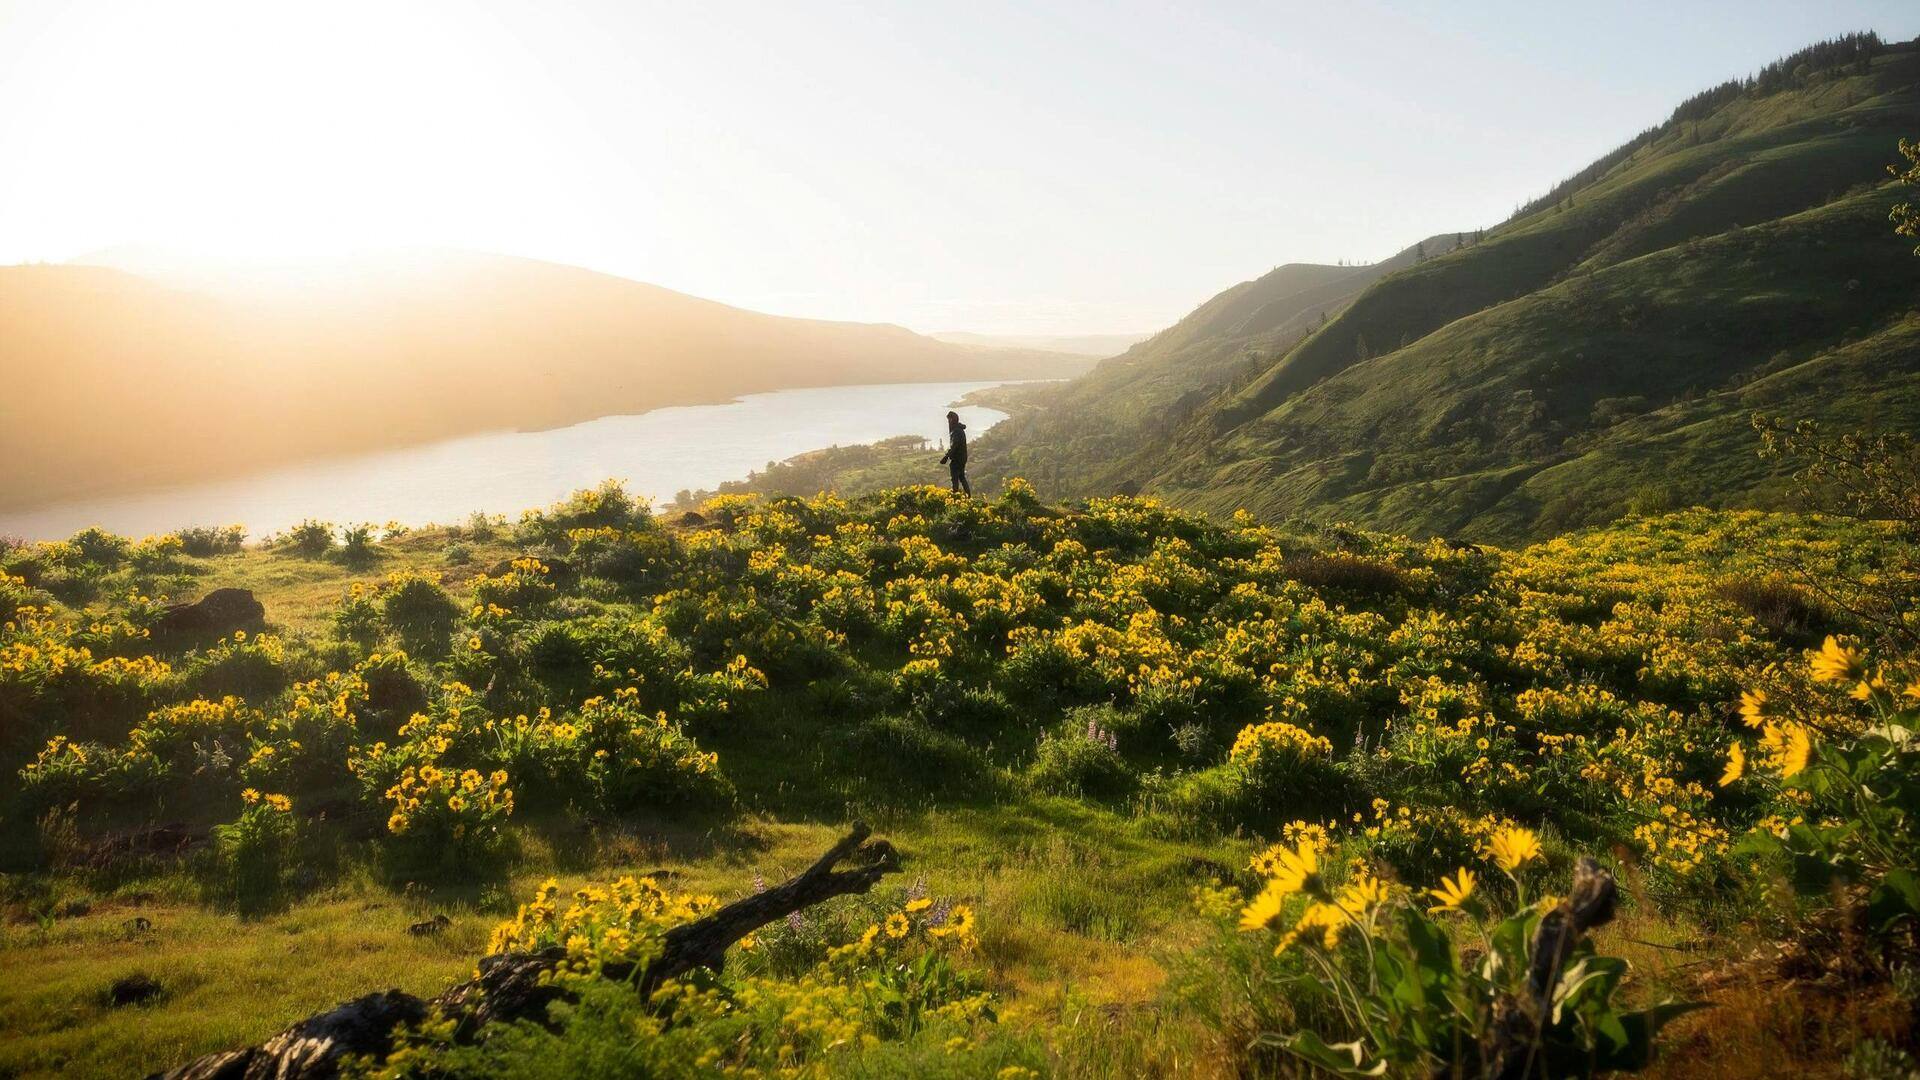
955, 459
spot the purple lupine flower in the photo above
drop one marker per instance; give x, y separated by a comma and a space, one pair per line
937, 914
759, 884
917, 890
795, 921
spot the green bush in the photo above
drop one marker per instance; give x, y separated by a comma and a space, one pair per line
420, 611
1081, 761
900, 760
203, 541
356, 544
99, 547
309, 538
608, 506
257, 850
253, 668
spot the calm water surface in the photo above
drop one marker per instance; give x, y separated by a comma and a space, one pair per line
657, 453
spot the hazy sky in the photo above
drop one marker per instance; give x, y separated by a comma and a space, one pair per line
1001, 167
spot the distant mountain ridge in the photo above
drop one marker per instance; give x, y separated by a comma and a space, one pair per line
117, 380
1599, 353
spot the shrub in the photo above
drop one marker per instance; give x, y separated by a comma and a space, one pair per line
445, 823
1341, 572
607, 506
640, 560
356, 544
1284, 769
1195, 803
202, 541
15, 594
967, 707
257, 849
99, 547
899, 759
309, 538
527, 583
358, 618
1842, 772
1786, 610
158, 555
1081, 761
394, 692
1388, 989
419, 610
253, 668
645, 761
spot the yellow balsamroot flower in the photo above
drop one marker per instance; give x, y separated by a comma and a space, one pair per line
959, 924
1753, 707
1290, 871
1514, 847
1736, 763
1362, 894
278, 802
1837, 663
1799, 747
1453, 893
917, 906
1264, 908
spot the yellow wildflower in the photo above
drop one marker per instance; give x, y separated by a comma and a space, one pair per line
1513, 848
1453, 893
1837, 663
1736, 763
1798, 749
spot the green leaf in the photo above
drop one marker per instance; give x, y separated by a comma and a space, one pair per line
1340, 1059
1895, 897
1632, 1048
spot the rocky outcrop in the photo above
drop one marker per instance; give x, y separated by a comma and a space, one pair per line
217, 614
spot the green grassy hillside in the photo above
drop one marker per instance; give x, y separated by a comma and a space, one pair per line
1597, 353
1082, 727
1146, 393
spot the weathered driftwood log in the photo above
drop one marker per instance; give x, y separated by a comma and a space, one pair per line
510, 987
1516, 1024
703, 943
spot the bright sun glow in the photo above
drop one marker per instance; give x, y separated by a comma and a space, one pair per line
997, 166
260, 129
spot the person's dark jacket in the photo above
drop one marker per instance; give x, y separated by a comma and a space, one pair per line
956, 444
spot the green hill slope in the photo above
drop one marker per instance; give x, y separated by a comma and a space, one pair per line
1143, 395
1601, 351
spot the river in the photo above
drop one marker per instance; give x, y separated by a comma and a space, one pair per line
656, 453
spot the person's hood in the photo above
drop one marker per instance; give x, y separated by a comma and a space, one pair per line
956, 424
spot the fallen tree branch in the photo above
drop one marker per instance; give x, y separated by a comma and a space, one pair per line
1516, 1028
510, 986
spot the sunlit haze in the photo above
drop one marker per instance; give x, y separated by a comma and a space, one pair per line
1089, 168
